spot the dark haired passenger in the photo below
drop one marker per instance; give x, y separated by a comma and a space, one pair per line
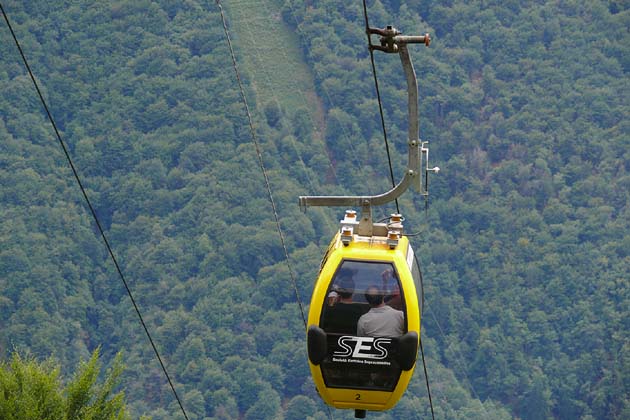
382, 320
342, 317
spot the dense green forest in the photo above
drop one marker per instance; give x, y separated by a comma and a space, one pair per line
525, 243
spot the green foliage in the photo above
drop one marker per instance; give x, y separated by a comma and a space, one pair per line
33, 390
300, 407
524, 244
30, 390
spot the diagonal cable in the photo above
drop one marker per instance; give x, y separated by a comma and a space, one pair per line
94, 216
424, 363
262, 167
380, 108
426, 378
378, 96
391, 171
260, 159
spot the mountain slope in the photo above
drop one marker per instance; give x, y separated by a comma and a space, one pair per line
525, 242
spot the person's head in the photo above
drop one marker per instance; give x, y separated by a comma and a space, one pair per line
374, 296
333, 297
345, 283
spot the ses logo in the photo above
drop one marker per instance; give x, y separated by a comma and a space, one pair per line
362, 347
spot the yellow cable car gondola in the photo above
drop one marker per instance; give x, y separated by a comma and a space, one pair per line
364, 320
363, 328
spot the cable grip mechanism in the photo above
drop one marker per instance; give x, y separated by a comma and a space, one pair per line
392, 38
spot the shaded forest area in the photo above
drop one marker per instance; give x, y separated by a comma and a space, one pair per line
525, 244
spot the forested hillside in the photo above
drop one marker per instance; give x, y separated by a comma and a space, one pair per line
525, 243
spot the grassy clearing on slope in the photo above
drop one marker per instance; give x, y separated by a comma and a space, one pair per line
270, 54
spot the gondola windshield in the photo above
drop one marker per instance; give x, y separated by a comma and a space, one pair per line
363, 315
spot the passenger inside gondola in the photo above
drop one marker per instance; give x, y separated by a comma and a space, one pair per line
382, 320
343, 315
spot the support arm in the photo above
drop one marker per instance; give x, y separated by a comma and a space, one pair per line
391, 41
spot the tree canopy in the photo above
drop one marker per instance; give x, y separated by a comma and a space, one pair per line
524, 244
34, 390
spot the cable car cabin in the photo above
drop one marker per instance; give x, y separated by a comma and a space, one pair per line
364, 322
364, 319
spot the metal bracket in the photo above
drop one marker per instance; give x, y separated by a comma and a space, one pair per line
436, 169
391, 41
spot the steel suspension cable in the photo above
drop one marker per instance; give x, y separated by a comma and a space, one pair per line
262, 166
328, 97
252, 131
94, 216
426, 378
266, 76
424, 363
378, 96
391, 171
